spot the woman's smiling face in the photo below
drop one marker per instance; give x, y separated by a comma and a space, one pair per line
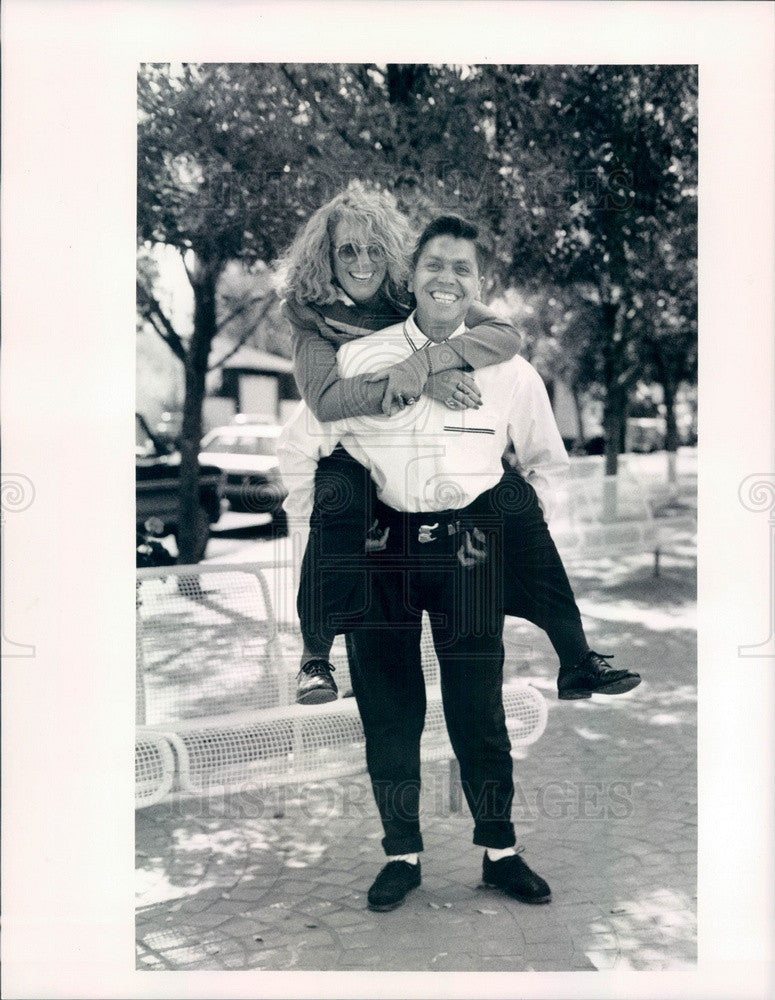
353, 262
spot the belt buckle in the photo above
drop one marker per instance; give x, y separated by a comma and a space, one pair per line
424, 534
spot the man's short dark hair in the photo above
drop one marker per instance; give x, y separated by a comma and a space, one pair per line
456, 227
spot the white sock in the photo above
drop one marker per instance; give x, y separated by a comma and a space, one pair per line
496, 853
411, 859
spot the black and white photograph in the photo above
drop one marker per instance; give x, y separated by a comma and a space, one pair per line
430, 672
482, 282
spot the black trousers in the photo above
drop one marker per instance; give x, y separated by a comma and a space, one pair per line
532, 578
337, 578
334, 580
411, 576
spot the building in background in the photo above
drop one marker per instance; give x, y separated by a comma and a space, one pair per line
257, 383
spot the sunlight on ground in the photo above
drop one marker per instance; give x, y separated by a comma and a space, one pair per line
656, 619
587, 734
302, 853
221, 842
665, 719
652, 929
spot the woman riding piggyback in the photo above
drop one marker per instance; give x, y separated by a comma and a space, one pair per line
345, 276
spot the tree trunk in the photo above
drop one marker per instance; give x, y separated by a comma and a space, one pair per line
613, 422
625, 413
581, 436
671, 430
203, 280
615, 393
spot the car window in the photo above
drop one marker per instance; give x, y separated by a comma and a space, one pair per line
144, 446
242, 444
223, 442
259, 446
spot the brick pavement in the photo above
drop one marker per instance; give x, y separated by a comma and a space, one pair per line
605, 806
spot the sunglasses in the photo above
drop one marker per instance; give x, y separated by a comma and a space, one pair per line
348, 252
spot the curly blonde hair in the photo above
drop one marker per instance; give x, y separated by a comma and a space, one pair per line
306, 276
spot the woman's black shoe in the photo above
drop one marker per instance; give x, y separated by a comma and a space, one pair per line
592, 675
513, 876
315, 683
392, 884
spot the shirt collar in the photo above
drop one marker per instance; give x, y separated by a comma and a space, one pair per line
419, 339
342, 296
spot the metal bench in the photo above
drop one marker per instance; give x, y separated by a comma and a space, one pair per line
601, 515
154, 768
216, 680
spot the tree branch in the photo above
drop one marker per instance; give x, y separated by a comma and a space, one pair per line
356, 147
362, 76
238, 311
153, 312
245, 336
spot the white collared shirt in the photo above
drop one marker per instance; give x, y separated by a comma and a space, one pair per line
428, 457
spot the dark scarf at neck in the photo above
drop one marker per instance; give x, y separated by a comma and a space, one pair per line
353, 319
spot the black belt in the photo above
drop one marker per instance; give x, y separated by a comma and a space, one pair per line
429, 526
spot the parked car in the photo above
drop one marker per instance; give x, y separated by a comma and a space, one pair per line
248, 455
157, 478
645, 434
169, 427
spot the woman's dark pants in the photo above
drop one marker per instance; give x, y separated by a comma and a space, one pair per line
334, 590
334, 580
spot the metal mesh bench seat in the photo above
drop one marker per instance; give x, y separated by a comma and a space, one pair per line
298, 744
154, 767
601, 515
216, 681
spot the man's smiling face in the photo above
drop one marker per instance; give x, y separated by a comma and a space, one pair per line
445, 282
354, 267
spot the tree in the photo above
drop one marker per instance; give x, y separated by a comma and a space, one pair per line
670, 344
665, 317
215, 149
599, 175
586, 175
246, 299
413, 128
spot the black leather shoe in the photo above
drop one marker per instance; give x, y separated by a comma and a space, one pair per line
592, 675
513, 876
315, 683
392, 884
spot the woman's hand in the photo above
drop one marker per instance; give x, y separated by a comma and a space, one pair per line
404, 387
456, 389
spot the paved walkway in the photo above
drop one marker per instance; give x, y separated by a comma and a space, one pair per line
605, 806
